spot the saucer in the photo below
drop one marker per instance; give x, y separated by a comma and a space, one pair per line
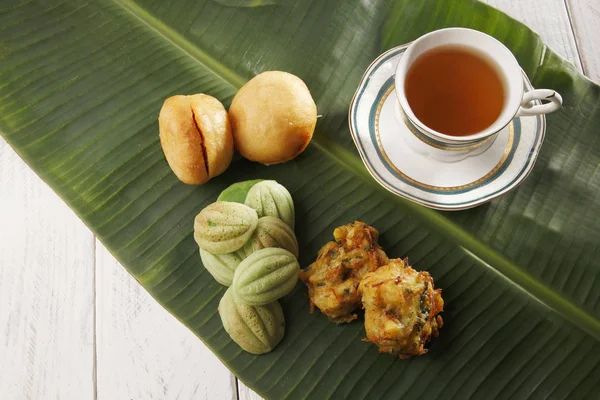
400, 160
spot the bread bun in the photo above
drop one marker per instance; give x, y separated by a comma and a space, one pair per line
196, 138
273, 117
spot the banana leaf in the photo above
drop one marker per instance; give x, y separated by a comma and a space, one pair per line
81, 86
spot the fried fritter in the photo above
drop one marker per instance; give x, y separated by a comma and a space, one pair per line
333, 279
401, 309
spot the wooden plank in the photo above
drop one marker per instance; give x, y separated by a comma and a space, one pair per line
549, 18
245, 393
46, 290
585, 18
143, 351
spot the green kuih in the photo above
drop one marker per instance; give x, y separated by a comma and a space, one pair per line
265, 276
221, 266
224, 227
257, 329
272, 232
271, 198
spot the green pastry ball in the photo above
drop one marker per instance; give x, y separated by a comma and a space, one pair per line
221, 266
271, 232
273, 117
271, 198
265, 276
224, 227
257, 329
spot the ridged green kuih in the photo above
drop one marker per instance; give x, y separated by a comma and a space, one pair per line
265, 276
272, 232
271, 198
221, 266
257, 329
224, 227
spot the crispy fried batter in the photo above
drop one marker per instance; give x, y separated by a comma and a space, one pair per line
401, 309
333, 279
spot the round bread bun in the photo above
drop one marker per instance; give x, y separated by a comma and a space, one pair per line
273, 117
196, 138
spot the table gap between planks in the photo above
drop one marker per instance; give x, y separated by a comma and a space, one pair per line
76, 325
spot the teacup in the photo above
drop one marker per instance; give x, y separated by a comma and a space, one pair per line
517, 103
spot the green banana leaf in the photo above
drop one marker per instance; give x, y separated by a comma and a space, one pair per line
81, 86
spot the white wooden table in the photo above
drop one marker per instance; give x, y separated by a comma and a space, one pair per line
75, 325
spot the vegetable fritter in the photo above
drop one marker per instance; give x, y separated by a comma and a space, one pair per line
333, 279
401, 309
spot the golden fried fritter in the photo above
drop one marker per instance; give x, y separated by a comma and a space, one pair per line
333, 279
401, 309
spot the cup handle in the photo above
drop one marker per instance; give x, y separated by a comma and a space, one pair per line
552, 98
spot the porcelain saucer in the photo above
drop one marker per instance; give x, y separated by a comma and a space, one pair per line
404, 164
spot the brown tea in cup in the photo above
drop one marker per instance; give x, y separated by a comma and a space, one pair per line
454, 90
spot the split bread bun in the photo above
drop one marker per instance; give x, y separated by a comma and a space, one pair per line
195, 135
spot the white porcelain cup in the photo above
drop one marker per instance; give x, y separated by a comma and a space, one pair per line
517, 103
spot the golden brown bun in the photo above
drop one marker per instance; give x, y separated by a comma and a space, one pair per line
196, 138
273, 117
211, 118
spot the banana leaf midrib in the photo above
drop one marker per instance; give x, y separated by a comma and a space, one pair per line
512, 273
171, 36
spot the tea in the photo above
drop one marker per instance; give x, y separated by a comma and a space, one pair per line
454, 90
